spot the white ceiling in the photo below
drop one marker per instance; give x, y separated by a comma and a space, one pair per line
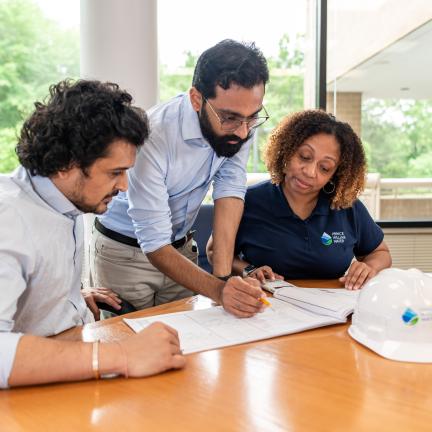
403, 70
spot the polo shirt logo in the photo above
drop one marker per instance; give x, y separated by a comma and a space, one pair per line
335, 237
326, 239
338, 237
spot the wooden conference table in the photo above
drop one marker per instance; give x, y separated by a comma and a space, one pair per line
319, 380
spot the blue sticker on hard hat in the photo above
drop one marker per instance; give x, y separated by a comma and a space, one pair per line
410, 317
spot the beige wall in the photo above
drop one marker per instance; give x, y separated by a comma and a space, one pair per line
406, 208
347, 109
357, 30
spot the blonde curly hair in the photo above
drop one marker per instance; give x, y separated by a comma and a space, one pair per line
293, 130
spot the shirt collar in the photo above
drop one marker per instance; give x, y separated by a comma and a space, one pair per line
282, 209
49, 193
190, 123
323, 205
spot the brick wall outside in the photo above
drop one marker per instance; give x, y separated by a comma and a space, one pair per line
348, 108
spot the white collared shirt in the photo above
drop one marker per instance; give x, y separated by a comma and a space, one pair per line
41, 246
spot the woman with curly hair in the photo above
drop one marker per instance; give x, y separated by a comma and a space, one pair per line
306, 222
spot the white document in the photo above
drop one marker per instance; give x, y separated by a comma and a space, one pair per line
272, 286
336, 303
206, 329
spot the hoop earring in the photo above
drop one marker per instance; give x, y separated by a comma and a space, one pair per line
327, 191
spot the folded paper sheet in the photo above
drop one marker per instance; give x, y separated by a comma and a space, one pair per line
206, 329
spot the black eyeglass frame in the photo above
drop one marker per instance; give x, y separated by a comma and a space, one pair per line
239, 121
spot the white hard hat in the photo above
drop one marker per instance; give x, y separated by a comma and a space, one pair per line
393, 315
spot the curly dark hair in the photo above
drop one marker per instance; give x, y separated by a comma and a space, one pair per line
229, 62
77, 124
291, 133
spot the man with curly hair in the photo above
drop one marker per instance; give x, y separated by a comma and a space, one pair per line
307, 223
74, 152
143, 247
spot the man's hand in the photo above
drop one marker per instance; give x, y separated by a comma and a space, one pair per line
264, 272
104, 295
153, 350
241, 297
358, 274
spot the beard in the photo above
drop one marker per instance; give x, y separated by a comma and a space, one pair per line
220, 144
80, 203
92, 208
79, 200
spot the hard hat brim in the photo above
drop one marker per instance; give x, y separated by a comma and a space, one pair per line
394, 350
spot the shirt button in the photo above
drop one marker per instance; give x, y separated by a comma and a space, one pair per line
306, 238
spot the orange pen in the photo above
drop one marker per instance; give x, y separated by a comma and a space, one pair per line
264, 301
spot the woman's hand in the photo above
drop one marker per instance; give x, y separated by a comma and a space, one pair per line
358, 274
264, 272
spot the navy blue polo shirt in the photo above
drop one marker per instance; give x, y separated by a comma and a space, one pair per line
319, 247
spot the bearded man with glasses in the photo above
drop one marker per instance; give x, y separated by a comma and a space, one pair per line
228, 145
143, 247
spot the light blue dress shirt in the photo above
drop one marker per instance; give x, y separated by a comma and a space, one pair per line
171, 176
41, 250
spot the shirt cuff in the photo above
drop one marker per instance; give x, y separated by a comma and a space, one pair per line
217, 194
8, 347
149, 247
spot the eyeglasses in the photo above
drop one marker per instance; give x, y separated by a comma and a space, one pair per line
230, 123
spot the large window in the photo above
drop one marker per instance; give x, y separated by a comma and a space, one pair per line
278, 28
378, 79
39, 45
